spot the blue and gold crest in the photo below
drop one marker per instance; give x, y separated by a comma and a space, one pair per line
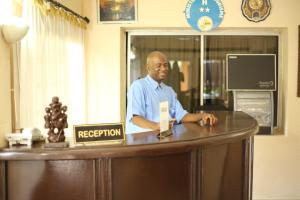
256, 10
204, 15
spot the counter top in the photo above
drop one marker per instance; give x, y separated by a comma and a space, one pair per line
231, 125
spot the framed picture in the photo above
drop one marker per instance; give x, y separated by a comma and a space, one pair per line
117, 11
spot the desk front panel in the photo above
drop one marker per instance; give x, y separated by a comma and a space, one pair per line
59, 180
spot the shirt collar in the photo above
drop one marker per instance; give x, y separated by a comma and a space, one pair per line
154, 83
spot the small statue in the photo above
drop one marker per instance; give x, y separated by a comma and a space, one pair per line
56, 120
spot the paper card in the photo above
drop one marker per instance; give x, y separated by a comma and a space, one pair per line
164, 116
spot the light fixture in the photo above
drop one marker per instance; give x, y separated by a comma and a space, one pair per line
13, 33
13, 30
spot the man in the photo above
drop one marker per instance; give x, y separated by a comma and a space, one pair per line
145, 94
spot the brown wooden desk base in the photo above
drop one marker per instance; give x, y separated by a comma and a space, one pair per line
195, 163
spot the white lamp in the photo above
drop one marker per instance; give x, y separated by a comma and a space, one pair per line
13, 27
13, 33
13, 30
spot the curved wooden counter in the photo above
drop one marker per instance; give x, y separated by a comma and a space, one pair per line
203, 163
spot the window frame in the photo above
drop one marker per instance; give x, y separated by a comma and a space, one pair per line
279, 129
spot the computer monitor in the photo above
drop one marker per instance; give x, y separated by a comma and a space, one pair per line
251, 72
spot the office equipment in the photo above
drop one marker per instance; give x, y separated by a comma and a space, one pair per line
259, 105
27, 136
252, 72
253, 80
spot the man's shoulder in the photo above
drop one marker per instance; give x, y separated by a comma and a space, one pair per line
139, 83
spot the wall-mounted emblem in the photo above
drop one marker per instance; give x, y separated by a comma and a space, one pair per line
204, 15
256, 10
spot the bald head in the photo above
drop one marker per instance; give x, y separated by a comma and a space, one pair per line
154, 55
157, 66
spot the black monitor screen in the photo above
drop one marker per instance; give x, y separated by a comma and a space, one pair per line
251, 72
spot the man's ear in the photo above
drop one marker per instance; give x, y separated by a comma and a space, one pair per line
148, 67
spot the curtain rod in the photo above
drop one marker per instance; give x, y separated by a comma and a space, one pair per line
69, 10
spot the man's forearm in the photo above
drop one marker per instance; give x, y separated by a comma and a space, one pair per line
195, 117
144, 123
192, 117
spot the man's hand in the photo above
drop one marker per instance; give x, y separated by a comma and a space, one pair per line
171, 122
207, 118
203, 118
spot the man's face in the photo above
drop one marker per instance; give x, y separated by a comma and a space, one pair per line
158, 68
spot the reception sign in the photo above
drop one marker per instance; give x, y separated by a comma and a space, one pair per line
99, 133
204, 15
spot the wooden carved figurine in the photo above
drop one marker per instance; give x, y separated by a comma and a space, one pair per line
56, 120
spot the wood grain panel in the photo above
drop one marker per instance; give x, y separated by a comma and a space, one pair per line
2, 181
48, 180
223, 172
161, 178
103, 172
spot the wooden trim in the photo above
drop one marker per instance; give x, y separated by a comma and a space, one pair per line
193, 174
104, 179
251, 154
248, 167
227, 130
199, 174
2, 181
246, 193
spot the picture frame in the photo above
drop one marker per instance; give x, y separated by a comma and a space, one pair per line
116, 11
298, 88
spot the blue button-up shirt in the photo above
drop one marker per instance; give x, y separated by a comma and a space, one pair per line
143, 99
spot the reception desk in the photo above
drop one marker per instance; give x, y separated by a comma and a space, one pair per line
195, 163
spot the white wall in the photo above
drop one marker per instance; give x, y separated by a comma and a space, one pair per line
75, 5
5, 117
277, 158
